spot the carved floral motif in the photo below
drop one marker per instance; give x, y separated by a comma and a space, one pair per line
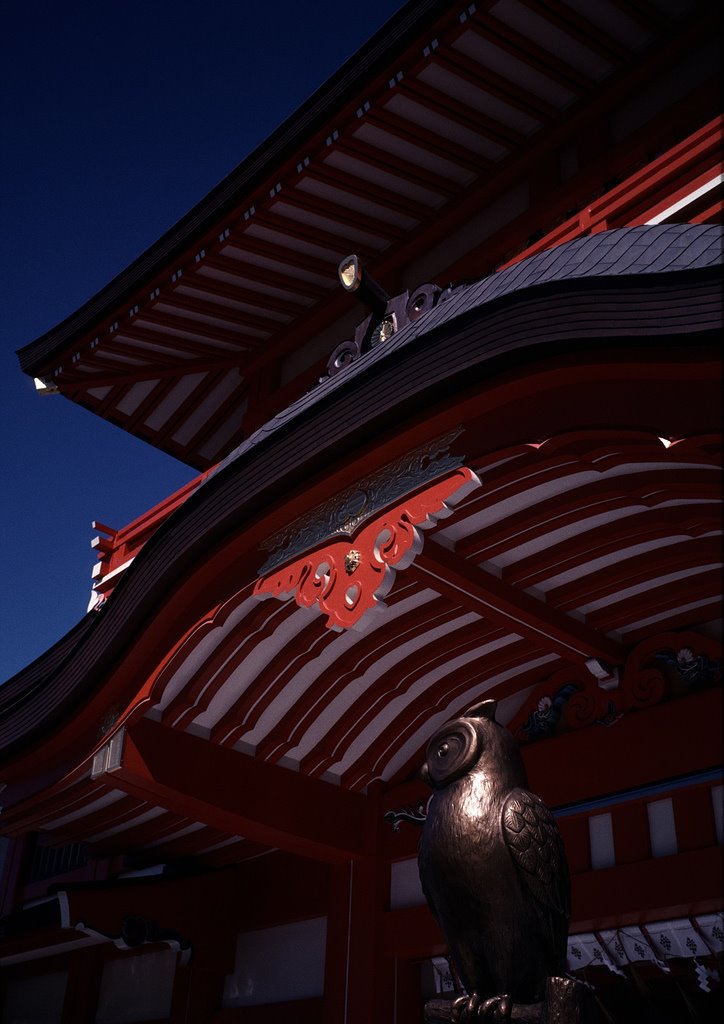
660, 668
386, 544
544, 719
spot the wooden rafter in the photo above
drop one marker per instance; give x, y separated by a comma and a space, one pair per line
240, 268
232, 296
207, 334
397, 202
501, 35
397, 167
341, 215
580, 28
336, 243
520, 613
461, 113
457, 63
245, 243
222, 315
386, 120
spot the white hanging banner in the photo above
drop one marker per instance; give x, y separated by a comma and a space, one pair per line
614, 948
589, 949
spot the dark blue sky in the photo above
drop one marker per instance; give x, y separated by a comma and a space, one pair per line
117, 116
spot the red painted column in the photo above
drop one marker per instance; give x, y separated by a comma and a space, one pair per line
85, 971
631, 832
339, 924
360, 976
694, 818
370, 991
574, 831
11, 878
409, 1004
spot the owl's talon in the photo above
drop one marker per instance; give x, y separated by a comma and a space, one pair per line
465, 1009
496, 1010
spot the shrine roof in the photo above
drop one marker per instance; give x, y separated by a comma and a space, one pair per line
626, 253
636, 289
422, 149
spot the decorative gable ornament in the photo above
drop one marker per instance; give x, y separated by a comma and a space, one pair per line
348, 579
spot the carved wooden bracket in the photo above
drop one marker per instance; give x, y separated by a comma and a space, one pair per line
348, 579
660, 668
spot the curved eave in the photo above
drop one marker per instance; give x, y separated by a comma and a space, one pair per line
625, 299
379, 51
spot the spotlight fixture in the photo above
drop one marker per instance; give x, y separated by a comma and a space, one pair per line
353, 277
350, 273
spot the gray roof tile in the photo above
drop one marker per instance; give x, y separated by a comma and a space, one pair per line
632, 251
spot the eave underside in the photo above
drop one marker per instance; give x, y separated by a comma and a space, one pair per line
596, 529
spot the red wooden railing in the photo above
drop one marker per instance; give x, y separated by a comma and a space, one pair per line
683, 185
117, 548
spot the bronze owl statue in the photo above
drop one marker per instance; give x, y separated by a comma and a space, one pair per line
492, 867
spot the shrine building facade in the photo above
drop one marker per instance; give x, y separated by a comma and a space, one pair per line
445, 353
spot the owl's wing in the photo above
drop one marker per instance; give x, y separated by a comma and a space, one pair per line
535, 844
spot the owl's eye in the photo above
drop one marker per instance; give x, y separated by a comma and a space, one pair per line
452, 752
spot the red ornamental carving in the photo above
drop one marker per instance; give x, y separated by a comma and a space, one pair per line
349, 578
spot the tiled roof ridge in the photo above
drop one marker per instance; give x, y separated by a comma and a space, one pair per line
619, 252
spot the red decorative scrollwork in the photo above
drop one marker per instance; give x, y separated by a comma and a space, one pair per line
662, 667
583, 708
644, 688
347, 589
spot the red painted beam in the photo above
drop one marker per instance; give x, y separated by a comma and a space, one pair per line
235, 793
517, 611
651, 890
666, 741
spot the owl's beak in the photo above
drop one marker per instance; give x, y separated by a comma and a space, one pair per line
424, 774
